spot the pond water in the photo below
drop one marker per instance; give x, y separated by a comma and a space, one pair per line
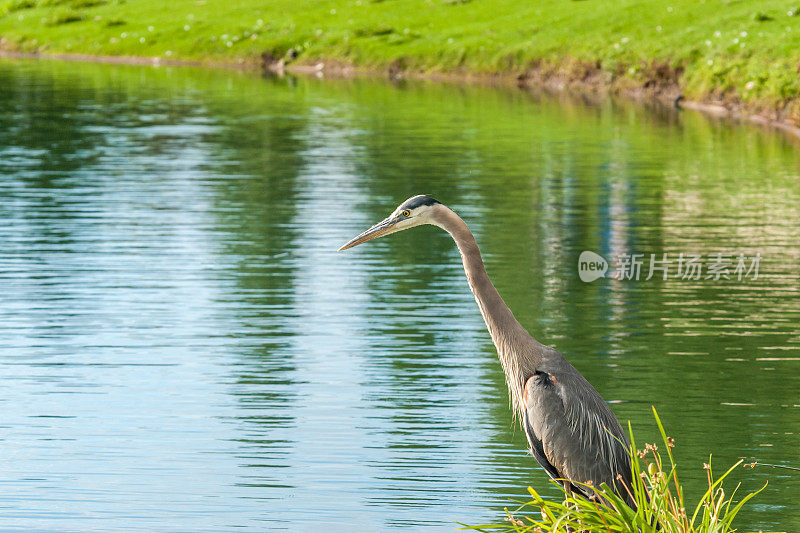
183, 349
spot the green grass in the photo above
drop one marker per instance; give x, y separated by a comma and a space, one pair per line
742, 50
657, 491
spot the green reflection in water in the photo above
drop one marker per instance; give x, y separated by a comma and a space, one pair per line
203, 208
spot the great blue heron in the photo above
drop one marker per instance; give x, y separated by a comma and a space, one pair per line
571, 430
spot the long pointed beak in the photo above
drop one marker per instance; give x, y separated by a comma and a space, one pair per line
384, 227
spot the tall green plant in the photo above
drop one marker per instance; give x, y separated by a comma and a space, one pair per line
655, 489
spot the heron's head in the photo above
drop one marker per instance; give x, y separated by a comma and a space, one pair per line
415, 211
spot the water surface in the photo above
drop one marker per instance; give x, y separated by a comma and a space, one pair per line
184, 350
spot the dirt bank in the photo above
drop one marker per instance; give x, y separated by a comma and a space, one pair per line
659, 82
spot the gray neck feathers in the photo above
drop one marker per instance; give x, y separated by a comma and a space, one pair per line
520, 354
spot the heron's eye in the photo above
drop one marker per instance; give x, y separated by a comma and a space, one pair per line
406, 213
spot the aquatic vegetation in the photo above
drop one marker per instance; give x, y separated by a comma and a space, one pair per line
657, 492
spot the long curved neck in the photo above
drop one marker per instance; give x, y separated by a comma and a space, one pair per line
519, 353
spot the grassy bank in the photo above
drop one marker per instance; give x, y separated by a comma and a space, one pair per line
742, 52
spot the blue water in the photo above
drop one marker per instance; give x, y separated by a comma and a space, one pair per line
184, 350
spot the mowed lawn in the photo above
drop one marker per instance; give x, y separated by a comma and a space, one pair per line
743, 49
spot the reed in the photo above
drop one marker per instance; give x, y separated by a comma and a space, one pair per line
657, 490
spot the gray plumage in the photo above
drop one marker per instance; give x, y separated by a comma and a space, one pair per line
572, 432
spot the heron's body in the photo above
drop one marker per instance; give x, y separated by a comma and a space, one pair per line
572, 432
